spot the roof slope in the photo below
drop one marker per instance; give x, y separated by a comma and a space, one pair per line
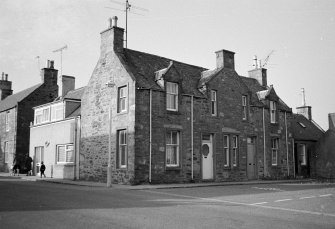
75, 94
144, 66
304, 129
12, 100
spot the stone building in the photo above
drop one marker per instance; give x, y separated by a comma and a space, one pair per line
160, 120
16, 114
324, 153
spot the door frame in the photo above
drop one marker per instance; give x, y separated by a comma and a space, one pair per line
254, 138
211, 142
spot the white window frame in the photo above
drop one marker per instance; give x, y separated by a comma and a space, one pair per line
274, 151
68, 148
122, 99
6, 151
172, 96
171, 148
302, 154
214, 103
244, 107
226, 163
7, 121
235, 149
122, 148
57, 112
273, 111
44, 115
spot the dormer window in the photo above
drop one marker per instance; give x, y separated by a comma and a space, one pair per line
273, 111
57, 112
42, 115
171, 96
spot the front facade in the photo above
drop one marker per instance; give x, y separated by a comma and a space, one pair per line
55, 136
16, 114
160, 120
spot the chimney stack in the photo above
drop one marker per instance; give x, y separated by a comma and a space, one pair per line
225, 59
112, 38
305, 111
331, 118
5, 87
66, 84
49, 73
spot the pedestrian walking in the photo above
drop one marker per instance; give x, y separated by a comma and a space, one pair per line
42, 169
16, 168
28, 162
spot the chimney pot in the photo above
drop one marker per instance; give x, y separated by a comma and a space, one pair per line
113, 22
6, 77
47, 64
3, 76
51, 64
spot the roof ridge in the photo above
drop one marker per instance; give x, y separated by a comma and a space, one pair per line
175, 61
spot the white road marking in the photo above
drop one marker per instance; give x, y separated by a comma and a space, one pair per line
325, 195
282, 200
306, 197
243, 204
259, 203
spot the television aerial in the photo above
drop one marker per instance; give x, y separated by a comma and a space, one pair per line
127, 8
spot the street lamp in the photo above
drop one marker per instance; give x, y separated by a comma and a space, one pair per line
109, 84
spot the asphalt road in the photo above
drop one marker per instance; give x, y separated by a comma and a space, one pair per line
26, 204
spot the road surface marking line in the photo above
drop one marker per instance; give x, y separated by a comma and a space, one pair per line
259, 203
283, 200
243, 204
306, 197
325, 195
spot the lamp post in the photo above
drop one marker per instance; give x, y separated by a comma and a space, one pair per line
109, 84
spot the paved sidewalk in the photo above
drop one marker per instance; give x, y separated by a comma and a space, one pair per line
7, 176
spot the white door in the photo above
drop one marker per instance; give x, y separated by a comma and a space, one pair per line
38, 158
207, 157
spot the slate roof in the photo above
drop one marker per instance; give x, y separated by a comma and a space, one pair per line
12, 100
262, 92
304, 129
144, 66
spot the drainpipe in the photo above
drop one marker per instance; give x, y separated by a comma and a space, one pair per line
150, 133
264, 144
293, 158
286, 140
192, 143
192, 134
76, 147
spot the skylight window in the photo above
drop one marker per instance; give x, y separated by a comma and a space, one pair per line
302, 125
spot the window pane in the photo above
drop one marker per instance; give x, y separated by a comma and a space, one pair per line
61, 154
70, 153
172, 148
123, 154
174, 138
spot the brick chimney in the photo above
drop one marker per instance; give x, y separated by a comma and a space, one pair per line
225, 59
112, 38
5, 87
49, 73
331, 118
258, 73
65, 84
305, 111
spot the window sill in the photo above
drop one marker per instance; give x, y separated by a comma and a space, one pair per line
173, 112
171, 168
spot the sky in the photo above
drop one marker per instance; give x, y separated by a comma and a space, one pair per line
301, 33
